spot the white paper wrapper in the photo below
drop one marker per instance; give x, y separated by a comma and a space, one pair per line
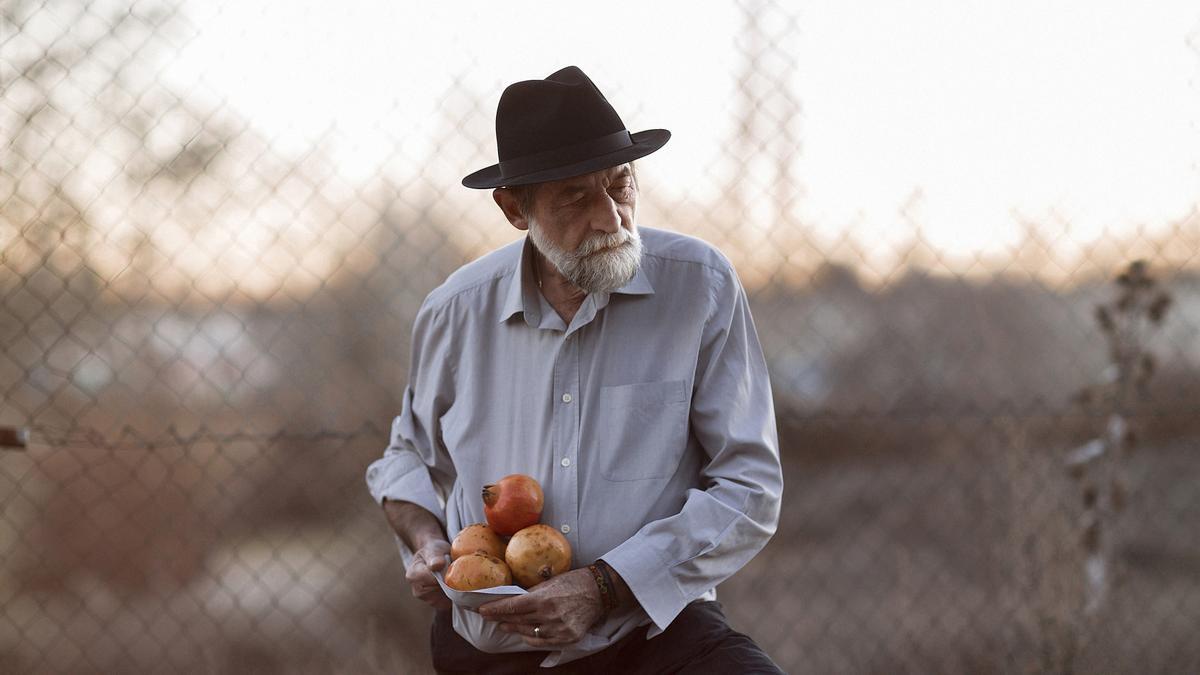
473, 599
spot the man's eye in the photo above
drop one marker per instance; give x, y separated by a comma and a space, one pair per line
623, 192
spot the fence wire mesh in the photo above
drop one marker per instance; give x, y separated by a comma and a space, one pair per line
205, 331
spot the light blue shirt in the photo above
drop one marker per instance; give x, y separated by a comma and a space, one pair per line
648, 422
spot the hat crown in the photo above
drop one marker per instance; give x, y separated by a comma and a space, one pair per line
557, 128
564, 109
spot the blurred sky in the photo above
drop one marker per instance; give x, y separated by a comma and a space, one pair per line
1087, 109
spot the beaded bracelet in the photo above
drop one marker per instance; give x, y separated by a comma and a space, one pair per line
607, 572
608, 597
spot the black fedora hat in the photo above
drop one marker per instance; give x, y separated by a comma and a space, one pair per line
559, 127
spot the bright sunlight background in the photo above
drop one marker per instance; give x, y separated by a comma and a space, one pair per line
964, 117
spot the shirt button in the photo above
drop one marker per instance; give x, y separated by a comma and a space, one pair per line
566, 529
566, 398
566, 461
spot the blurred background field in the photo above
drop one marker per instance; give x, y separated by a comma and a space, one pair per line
217, 221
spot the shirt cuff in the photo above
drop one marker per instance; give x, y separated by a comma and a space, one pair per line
404, 478
649, 579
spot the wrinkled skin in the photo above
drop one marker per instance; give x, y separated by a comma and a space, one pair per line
564, 606
426, 560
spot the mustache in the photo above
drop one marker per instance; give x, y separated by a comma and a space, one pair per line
604, 241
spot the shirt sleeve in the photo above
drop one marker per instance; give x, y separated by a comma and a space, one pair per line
670, 562
416, 466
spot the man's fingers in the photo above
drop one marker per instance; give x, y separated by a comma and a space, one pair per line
423, 566
523, 623
426, 588
509, 607
421, 580
418, 572
545, 638
432, 596
541, 643
437, 600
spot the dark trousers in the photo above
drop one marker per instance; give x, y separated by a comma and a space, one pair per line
699, 640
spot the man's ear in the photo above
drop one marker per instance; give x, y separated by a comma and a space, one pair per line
511, 206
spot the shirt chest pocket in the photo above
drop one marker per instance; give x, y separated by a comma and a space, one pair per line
639, 431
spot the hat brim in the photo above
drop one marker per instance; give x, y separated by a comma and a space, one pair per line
644, 143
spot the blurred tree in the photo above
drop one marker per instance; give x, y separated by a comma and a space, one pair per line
81, 114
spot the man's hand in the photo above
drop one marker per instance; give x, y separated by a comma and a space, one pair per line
423, 535
427, 560
562, 608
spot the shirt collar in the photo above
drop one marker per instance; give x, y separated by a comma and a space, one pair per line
522, 288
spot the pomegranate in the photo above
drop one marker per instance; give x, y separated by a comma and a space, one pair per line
477, 537
512, 503
477, 570
537, 553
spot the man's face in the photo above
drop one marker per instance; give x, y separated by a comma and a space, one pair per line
585, 227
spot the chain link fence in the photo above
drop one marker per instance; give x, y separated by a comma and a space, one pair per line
205, 333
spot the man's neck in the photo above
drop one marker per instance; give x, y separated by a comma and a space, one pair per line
565, 297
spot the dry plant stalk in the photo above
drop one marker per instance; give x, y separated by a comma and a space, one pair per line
1100, 466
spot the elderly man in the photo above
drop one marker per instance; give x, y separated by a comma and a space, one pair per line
617, 365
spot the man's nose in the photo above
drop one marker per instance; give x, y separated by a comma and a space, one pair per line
605, 216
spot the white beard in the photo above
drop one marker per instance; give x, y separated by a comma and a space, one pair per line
593, 272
